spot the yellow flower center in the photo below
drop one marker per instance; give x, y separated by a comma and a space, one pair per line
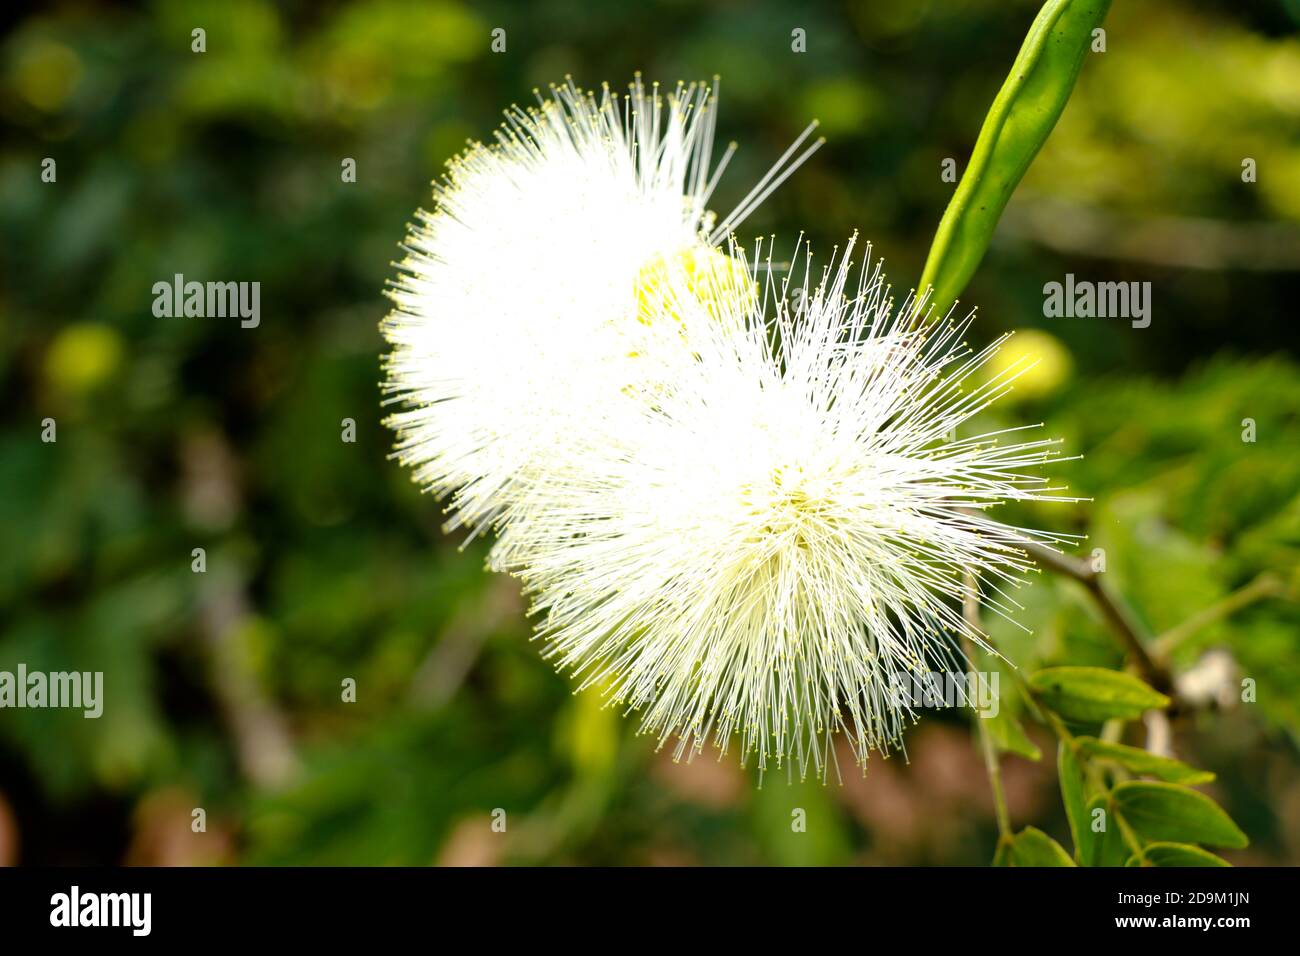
720, 283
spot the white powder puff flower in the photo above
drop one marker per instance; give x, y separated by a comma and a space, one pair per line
779, 529
516, 305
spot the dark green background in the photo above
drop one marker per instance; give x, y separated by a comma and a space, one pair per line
324, 562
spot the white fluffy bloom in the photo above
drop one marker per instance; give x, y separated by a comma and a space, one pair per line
781, 521
516, 305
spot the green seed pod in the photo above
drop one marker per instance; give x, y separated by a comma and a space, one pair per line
1017, 125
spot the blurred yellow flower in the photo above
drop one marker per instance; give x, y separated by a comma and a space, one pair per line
1049, 363
844, 105
82, 357
589, 733
46, 74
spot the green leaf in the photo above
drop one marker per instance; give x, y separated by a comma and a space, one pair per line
1104, 847
1033, 847
1170, 812
1067, 768
1177, 854
1141, 762
1018, 123
1089, 695
1009, 735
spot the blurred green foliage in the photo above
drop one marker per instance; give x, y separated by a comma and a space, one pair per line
324, 563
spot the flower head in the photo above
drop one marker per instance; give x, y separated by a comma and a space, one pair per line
781, 526
516, 303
